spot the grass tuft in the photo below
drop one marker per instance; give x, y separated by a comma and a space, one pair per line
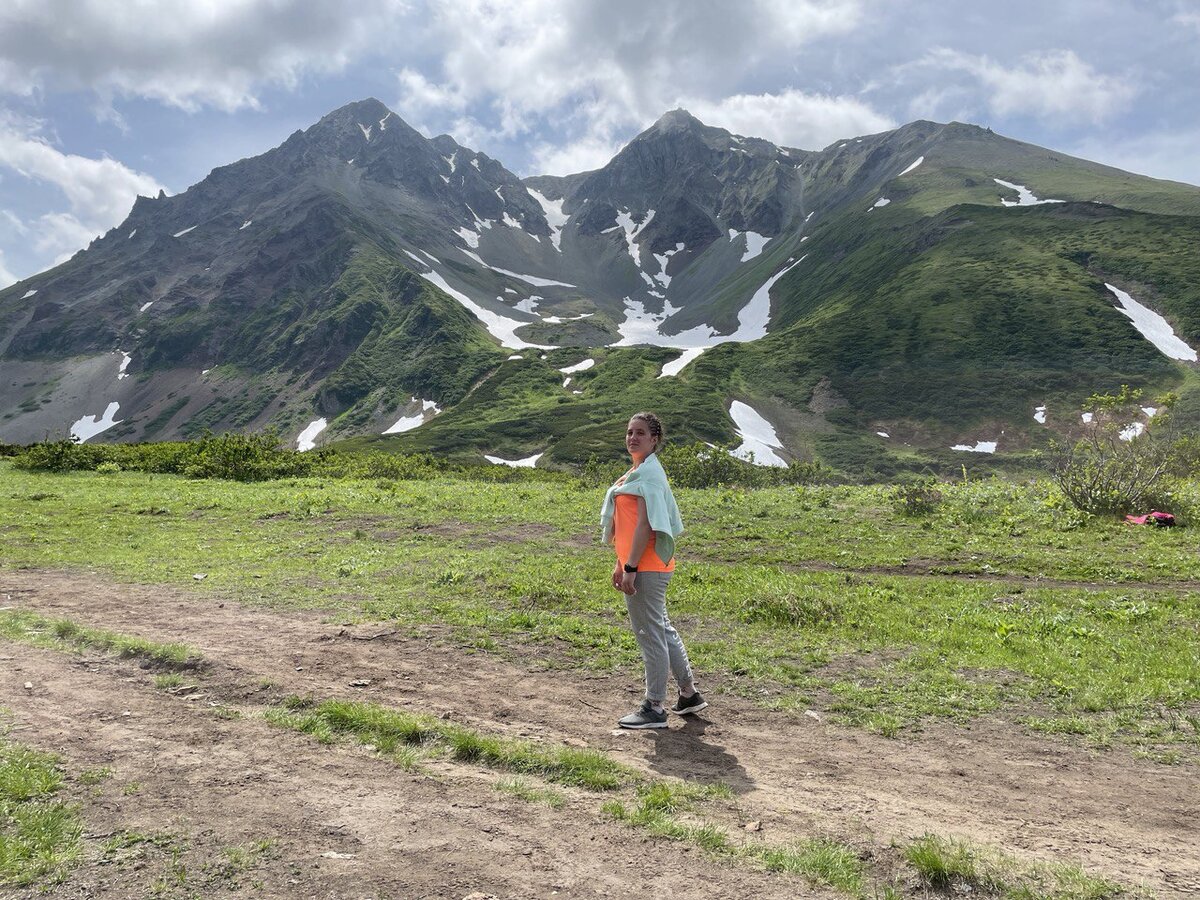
393, 732
63, 634
40, 836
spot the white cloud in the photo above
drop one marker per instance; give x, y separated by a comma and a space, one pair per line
591, 151
99, 192
7, 278
184, 52
60, 235
1055, 85
792, 117
512, 67
1160, 154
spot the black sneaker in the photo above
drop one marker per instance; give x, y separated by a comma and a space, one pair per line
685, 706
646, 717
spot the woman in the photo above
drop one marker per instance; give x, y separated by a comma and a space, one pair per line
640, 519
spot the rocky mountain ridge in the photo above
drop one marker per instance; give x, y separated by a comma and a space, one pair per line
362, 275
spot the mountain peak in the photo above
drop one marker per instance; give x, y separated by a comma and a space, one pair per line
676, 119
369, 108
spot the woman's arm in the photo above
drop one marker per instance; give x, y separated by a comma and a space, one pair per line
641, 537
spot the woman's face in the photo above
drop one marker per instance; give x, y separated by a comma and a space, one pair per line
638, 439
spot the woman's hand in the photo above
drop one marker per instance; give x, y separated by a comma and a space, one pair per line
618, 571
628, 582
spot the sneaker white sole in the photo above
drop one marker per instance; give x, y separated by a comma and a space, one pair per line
690, 709
647, 725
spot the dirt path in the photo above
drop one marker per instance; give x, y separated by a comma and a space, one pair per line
1132, 821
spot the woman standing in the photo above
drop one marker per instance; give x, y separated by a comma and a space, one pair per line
640, 519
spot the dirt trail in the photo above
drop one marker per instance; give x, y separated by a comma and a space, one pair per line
1130, 820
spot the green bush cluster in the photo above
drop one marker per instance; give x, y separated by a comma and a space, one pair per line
702, 466
238, 457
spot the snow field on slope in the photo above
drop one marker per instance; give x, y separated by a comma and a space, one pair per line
1153, 327
528, 462
306, 439
757, 434
1025, 197
408, 423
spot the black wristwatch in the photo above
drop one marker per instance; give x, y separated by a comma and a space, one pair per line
630, 569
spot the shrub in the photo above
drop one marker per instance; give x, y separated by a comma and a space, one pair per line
59, 456
918, 498
1112, 470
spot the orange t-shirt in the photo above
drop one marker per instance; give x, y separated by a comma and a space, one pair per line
625, 519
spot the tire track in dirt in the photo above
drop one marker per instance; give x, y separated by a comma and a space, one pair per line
1129, 820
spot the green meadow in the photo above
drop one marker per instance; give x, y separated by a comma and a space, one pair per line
1000, 600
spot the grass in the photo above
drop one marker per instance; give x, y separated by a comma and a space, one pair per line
521, 788
821, 597
63, 634
396, 734
955, 866
40, 835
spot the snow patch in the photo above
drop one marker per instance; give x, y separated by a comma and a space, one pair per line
1150, 411
980, 447
132, 233
1087, 418
366, 130
882, 201
757, 434
510, 221
500, 327
753, 318
29, 294
883, 434
632, 230
1039, 415
246, 224
555, 218
579, 366
185, 231
1153, 327
452, 159
754, 245
145, 306
415, 258
90, 426
1025, 197
529, 304
475, 163
408, 423
515, 356
527, 463
675, 366
920, 159
1132, 430
470, 238
305, 441
126, 359
382, 126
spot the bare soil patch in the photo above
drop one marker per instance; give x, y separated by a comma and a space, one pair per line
448, 833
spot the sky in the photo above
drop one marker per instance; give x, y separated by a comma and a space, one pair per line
102, 100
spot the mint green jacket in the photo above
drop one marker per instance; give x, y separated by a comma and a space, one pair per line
649, 482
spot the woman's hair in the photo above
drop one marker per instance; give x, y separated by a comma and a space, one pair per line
655, 425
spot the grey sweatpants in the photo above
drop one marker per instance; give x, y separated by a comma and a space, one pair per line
662, 649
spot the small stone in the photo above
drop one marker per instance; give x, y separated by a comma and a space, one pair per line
200, 576
813, 714
753, 826
29, 685
360, 682
333, 854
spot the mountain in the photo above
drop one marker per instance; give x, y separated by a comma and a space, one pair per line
877, 301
